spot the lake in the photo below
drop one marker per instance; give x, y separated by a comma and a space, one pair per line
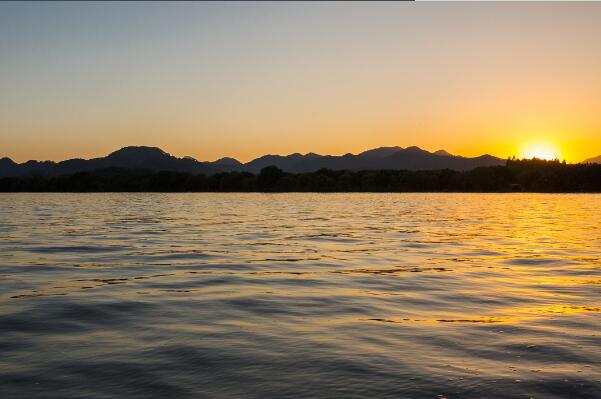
300, 295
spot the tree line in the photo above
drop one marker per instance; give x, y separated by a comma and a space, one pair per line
532, 175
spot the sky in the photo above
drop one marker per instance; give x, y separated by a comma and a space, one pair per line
245, 79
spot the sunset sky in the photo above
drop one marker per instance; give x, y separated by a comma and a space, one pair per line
246, 79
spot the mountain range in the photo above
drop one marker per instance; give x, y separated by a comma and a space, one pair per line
155, 159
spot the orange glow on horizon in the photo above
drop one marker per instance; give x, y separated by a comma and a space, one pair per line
541, 150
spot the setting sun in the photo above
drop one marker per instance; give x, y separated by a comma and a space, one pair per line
539, 150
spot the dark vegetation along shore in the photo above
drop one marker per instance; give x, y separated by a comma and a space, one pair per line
517, 175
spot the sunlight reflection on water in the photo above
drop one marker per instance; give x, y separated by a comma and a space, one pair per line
300, 295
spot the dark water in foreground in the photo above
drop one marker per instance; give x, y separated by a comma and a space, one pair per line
300, 295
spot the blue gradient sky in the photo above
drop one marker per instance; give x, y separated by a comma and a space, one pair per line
245, 79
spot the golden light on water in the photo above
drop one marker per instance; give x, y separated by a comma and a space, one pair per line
540, 150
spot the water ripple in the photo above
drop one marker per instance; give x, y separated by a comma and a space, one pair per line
300, 295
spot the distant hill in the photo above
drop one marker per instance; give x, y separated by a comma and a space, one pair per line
593, 160
155, 159
143, 158
380, 152
443, 153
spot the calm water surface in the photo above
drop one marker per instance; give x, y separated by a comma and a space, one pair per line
300, 296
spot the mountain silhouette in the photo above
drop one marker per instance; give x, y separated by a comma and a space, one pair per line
380, 152
155, 159
596, 159
443, 153
227, 161
285, 162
